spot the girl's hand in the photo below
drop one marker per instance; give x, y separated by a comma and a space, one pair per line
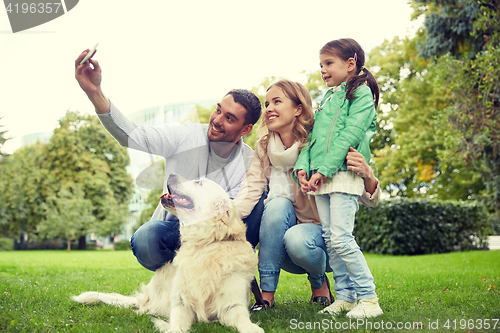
316, 181
304, 184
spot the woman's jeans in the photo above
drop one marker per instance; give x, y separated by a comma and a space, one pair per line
353, 279
156, 242
295, 248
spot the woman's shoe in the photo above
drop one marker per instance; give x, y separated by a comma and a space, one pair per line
260, 307
323, 300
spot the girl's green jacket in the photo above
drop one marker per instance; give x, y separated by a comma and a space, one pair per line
339, 124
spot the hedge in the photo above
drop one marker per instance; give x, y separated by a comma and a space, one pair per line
51, 244
122, 245
6, 244
409, 226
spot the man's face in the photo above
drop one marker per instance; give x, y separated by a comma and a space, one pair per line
227, 122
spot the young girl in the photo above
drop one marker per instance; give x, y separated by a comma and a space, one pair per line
346, 118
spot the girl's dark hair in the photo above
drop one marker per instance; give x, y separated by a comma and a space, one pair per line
346, 48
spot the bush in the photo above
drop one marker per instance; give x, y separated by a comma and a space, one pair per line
6, 244
403, 226
122, 245
88, 246
50, 244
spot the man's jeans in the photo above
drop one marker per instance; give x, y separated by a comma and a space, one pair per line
155, 242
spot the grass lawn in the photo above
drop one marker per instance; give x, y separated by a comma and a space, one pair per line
454, 292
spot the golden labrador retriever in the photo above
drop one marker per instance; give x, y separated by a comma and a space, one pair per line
209, 278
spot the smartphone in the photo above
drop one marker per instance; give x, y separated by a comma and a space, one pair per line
90, 54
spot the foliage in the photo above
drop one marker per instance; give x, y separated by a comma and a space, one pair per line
6, 244
3, 139
36, 243
474, 87
316, 86
68, 214
487, 25
81, 151
200, 115
411, 129
23, 193
152, 200
122, 245
80, 159
449, 25
467, 74
408, 227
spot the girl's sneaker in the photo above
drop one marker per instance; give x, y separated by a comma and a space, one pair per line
336, 307
366, 308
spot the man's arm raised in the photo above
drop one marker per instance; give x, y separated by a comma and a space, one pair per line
89, 77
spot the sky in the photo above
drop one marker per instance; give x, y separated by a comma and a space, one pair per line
159, 52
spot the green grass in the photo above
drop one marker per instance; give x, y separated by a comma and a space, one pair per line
416, 291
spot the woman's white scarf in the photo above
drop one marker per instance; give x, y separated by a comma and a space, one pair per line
281, 158
282, 163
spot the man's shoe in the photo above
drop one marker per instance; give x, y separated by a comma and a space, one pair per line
366, 308
260, 307
338, 306
323, 300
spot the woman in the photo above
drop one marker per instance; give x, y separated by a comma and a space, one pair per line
290, 232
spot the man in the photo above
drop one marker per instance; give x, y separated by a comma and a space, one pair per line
213, 150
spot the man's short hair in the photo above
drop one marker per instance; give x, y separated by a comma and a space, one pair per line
250, 102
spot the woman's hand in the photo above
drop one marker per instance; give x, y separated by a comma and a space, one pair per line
356, 162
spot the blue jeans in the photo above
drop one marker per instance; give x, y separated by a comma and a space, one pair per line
156, 242
353, 279
295, 248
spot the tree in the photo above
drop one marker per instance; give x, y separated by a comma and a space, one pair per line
448, 26
82, 152
411, 129
472, 85
21, 186
3, 139
68, 214
474, 88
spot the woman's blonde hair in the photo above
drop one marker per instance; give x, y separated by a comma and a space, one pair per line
299, 95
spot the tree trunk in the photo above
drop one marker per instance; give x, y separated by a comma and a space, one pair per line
82, 245
68, 242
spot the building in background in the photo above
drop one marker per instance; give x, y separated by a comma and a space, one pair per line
30, 139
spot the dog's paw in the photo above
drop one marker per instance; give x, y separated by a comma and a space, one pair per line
161, 325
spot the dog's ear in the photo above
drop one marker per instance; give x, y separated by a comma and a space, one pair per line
235, 228
222, 205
